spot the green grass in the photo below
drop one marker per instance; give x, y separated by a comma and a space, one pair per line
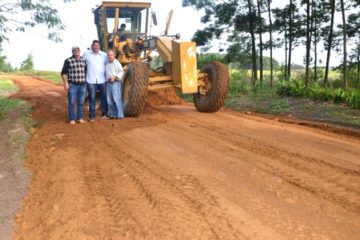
52, 76
48, 75
7, 104
260, 99
6, 87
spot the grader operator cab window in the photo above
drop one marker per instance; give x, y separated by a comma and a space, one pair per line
135, 20
110, 15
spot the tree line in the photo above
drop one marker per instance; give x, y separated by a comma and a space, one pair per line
26, 65
299, 23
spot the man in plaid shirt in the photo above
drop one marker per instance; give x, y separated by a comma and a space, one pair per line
73, 74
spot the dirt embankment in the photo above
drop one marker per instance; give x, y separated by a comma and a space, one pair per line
175, 173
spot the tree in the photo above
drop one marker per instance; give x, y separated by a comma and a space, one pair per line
226, 17
281, 26
329, 42
353, 31
268, 4
288, 22
345, 74
33, 13
318, 17
251, 19
27, 64
4, 65
308, 40
291, 10
260, 24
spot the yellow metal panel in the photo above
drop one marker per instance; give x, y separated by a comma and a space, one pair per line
163, 44
185, 66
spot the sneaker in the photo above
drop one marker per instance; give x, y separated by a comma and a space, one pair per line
91, 119
81, 121
104, 117
72, 122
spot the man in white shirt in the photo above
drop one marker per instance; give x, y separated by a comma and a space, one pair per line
95, 78
114, 73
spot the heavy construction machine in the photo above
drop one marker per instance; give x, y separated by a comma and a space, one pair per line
135, 48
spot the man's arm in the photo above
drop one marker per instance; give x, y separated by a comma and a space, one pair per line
119, 70
65, 74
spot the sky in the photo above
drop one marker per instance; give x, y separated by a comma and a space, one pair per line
80, 30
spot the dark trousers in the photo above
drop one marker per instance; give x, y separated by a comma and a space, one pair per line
92, 88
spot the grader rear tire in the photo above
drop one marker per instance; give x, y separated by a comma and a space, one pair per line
216, 87
134, 91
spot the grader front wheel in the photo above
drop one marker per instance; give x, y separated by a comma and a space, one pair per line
134, 90
212, 92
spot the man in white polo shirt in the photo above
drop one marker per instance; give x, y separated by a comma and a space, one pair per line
95, 78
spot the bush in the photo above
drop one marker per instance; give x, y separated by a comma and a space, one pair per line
352, 98
298, 89
239, 82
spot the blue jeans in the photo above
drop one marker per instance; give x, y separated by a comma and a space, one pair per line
92, 88
76, 93
114, 99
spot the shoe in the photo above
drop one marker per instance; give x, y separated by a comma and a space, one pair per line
81, 121
72, 122
104, 117
91, 119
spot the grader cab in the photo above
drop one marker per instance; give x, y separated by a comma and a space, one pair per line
135, 48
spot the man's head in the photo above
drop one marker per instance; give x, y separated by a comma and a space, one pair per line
122, 26
75, 51
95, 46
111, 55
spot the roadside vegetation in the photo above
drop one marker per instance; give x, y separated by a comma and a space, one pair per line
10, 107
6, 104
249, 29
331, 104
47, 75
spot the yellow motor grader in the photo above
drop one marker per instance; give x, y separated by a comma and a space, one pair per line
134, 47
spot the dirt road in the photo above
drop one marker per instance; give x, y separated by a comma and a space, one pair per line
175, 173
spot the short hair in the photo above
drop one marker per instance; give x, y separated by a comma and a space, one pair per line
123, 25
96, 41
111, 50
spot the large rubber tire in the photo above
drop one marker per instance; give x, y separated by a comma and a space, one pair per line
134, 90
213, 100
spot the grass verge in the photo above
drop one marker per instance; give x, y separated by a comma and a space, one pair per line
15, 125
6, 104
49, 75
9, 106
52, 76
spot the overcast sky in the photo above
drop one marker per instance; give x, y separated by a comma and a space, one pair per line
80, 30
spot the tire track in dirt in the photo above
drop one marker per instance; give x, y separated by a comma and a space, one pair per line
302, 171
294, 174
153, 183
157, 183
174, 173
112, 217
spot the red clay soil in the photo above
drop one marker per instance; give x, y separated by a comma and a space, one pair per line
175, 173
